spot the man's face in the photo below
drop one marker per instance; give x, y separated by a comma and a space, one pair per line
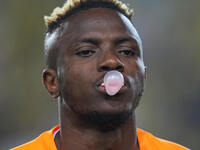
91, 43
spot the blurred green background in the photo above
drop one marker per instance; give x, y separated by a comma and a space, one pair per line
169, 109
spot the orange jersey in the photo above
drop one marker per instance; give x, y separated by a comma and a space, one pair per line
149, 142
146, 142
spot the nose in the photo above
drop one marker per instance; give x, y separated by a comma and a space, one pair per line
110, 62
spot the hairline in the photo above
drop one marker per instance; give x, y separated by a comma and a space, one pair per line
53, 23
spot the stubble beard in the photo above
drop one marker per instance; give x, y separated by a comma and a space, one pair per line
105, 121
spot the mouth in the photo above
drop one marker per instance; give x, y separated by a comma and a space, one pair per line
100, 87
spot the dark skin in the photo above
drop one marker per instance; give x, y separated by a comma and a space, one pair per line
89, 44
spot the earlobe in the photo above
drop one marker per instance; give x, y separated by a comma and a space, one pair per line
50, 81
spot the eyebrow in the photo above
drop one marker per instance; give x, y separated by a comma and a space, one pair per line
117, 41
90, 41
121, 40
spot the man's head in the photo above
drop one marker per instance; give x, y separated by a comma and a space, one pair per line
71, 7
80, 49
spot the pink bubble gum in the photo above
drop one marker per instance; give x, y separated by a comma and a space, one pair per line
113, 81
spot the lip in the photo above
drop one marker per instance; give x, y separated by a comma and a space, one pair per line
101, 88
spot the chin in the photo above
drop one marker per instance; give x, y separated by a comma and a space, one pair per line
106, 121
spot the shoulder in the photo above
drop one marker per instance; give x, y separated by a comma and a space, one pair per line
43, 142
147, 141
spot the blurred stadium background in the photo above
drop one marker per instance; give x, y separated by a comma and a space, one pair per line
170, 31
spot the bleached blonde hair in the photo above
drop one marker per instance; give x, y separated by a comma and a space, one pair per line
60, 14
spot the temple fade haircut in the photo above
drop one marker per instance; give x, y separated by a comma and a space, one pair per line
71, 7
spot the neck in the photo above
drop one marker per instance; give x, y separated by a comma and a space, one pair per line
75, 134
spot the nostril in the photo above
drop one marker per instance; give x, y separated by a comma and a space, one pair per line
120, 68
105, 68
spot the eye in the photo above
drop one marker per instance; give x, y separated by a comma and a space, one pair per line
127, 52
85, 53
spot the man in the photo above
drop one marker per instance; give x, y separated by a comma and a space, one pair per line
85, 40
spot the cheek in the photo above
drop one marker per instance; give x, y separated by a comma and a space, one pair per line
136, 71
135, 67
80, 70
79, 75
141, 66
77, 79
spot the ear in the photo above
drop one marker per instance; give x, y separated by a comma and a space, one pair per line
50, 81
145, 73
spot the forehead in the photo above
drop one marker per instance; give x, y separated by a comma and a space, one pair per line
100, 23
95, 18
96, 21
